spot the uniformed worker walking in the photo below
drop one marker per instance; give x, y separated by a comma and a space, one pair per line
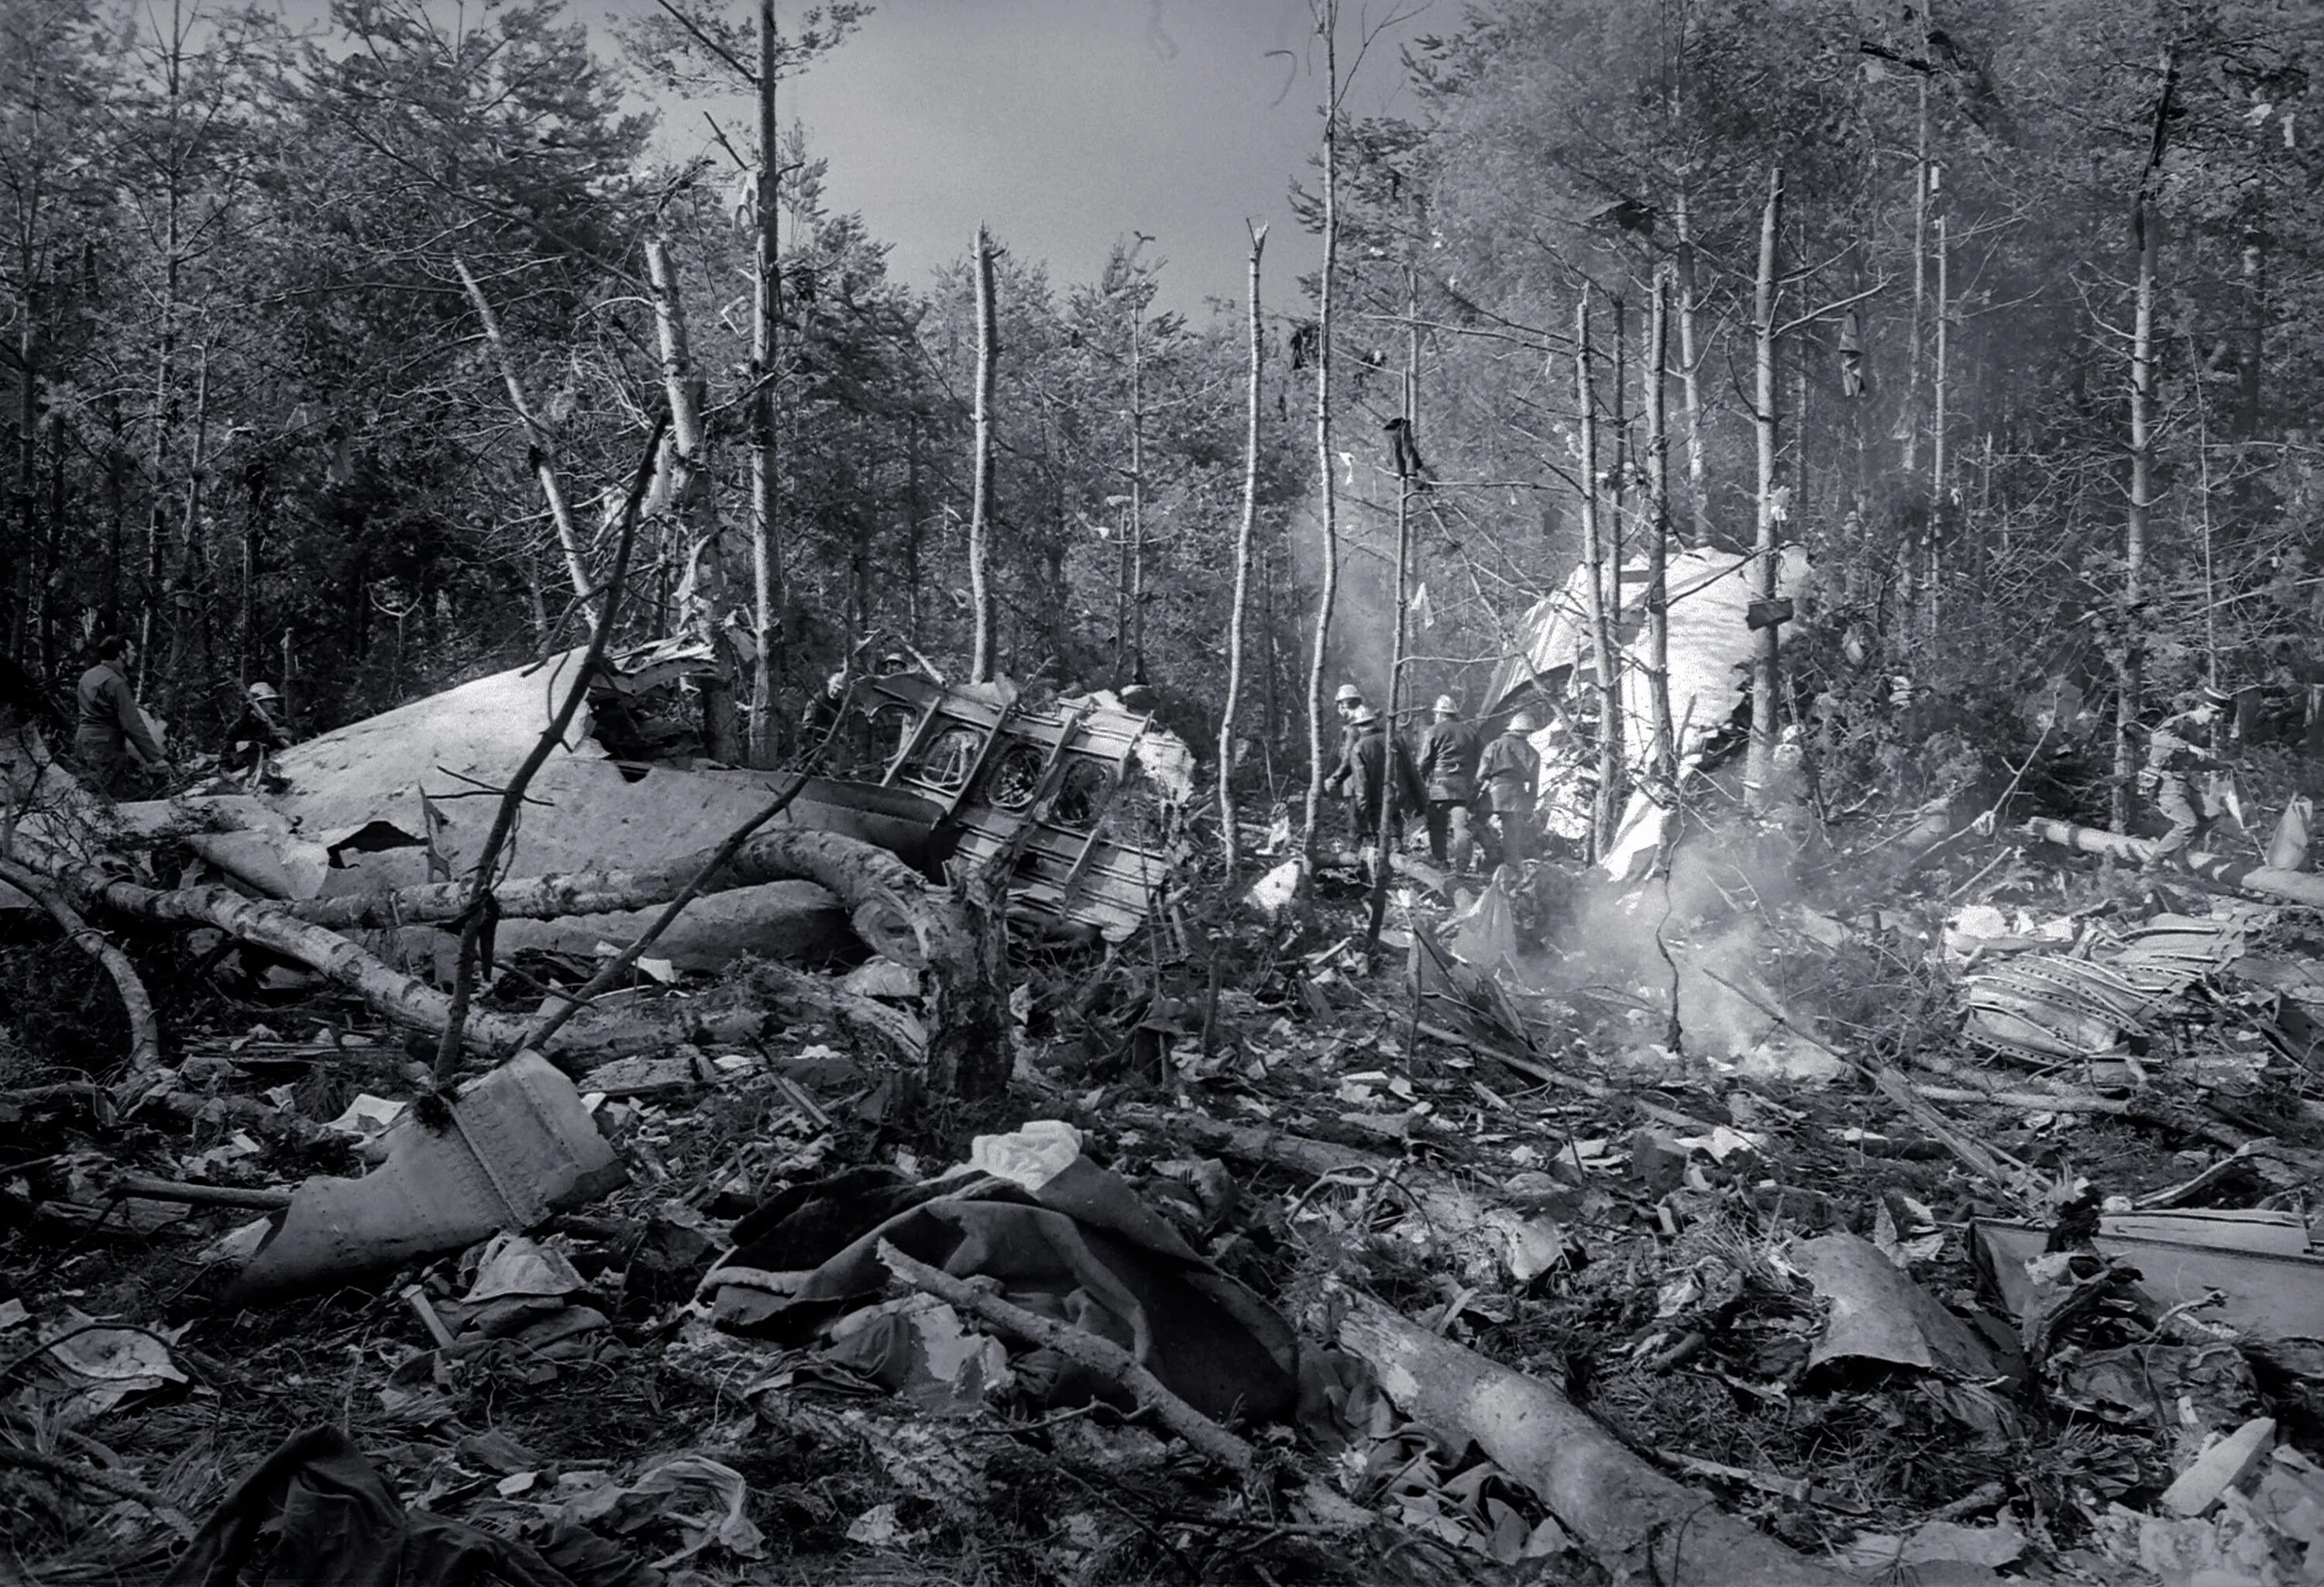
2176, 753
1511, 774
1448, 761
1381, 767
110, 733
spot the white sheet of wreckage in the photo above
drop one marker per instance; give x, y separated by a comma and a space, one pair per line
1711, 646
354, 818
356, 815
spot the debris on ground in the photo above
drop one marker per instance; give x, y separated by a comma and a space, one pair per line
1077, 1214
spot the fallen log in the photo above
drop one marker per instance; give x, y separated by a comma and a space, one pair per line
2291, 887
958, 1036
957, 1039
879, 891
144, 1032
145, 1188
1639, 1524
1079, 1345
403, 999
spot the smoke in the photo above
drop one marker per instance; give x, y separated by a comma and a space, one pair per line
1362, 648
1709, 926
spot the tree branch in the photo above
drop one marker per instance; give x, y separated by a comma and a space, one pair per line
479, 912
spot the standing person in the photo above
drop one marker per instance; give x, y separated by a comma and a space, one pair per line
1347, 703
1381, 769
1448, 761
111, 734
1511, 774
2175, 750
257, 734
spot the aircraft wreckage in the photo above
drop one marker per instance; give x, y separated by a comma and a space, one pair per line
1077, 801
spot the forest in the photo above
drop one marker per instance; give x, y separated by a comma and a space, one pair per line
2039, 363
1832, 1134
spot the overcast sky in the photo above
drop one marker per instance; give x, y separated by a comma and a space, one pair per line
1066, 124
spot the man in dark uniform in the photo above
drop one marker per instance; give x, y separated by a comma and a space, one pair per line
1380, 768
1511, 774
110, 733
1448, 759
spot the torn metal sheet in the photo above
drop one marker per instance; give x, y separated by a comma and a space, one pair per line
2272, 1288
1711, 642
520, 1146
2063, 1005
1077, 800
1879, 1314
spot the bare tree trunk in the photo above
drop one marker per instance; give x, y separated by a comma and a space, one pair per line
1663, 765
1911, 416
539, 444
1137, 500
1327, 22
1938, 517
691, 483
2255, 295
2130, 679
253, 534
1603, 812
28, 410
165, 372
984, 658
766, 543
915, 509
1690, 376
1760, 772
180, 666
1237, 614
1391, 749
1616, 439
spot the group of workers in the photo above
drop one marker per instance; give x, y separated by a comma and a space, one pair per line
116, 747
1456, 773
1457, 782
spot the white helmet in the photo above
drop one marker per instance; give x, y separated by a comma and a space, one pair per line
1348, 695
264, 691
1444, 704
1523, 722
